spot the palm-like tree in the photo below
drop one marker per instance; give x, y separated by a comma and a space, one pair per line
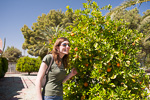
126, 4
47, 37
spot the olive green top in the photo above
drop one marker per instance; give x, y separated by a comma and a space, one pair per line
56, 75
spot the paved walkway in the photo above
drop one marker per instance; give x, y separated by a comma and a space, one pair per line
17, 87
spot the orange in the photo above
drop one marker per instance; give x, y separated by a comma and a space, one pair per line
50, 41
86, 65
100, 71
140, 83
122, 83
133, 43
83, 97
143, 88
76, 56
108, 69
72, 34
118, 65
93, 23
75, 49
124, 52
109, 64
100, 58
85, 84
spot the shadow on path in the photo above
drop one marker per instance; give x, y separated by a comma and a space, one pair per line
10, 87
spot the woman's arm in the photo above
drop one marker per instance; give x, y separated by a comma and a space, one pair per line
39, 78
73, 73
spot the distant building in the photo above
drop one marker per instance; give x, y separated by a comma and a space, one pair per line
1, 51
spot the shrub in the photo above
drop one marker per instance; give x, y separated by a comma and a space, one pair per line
27, 64
3, 66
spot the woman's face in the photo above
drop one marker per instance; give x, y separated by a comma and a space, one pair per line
64, 48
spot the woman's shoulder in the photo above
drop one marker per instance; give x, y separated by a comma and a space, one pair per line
47, 59
48, 56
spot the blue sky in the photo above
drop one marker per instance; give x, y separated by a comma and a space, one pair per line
15, 13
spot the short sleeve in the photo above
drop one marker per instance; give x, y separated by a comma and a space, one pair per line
47, 59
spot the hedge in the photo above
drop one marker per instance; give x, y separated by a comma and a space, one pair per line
3, 66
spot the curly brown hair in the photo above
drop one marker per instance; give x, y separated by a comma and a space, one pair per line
55, 53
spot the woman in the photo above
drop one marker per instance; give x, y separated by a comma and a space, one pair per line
53, 90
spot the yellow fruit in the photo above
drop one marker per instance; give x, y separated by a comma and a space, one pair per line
133, 80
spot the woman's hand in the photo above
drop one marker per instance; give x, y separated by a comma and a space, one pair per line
71, 74
74, 72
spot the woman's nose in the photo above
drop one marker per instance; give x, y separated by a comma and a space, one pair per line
67, 46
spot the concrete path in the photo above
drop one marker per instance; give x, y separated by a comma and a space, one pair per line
17, 87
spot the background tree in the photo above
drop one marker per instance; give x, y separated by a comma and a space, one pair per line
132, 17
125, 4
144, 26
27, 64
38, 39
145, 52
69, 18
12, 54
140, 23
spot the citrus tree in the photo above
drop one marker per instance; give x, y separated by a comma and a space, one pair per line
104, 53
28, 64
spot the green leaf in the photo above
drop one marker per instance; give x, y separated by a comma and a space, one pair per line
112, 84
114, 76
67, 7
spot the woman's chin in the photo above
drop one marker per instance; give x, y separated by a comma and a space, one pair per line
66, 53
